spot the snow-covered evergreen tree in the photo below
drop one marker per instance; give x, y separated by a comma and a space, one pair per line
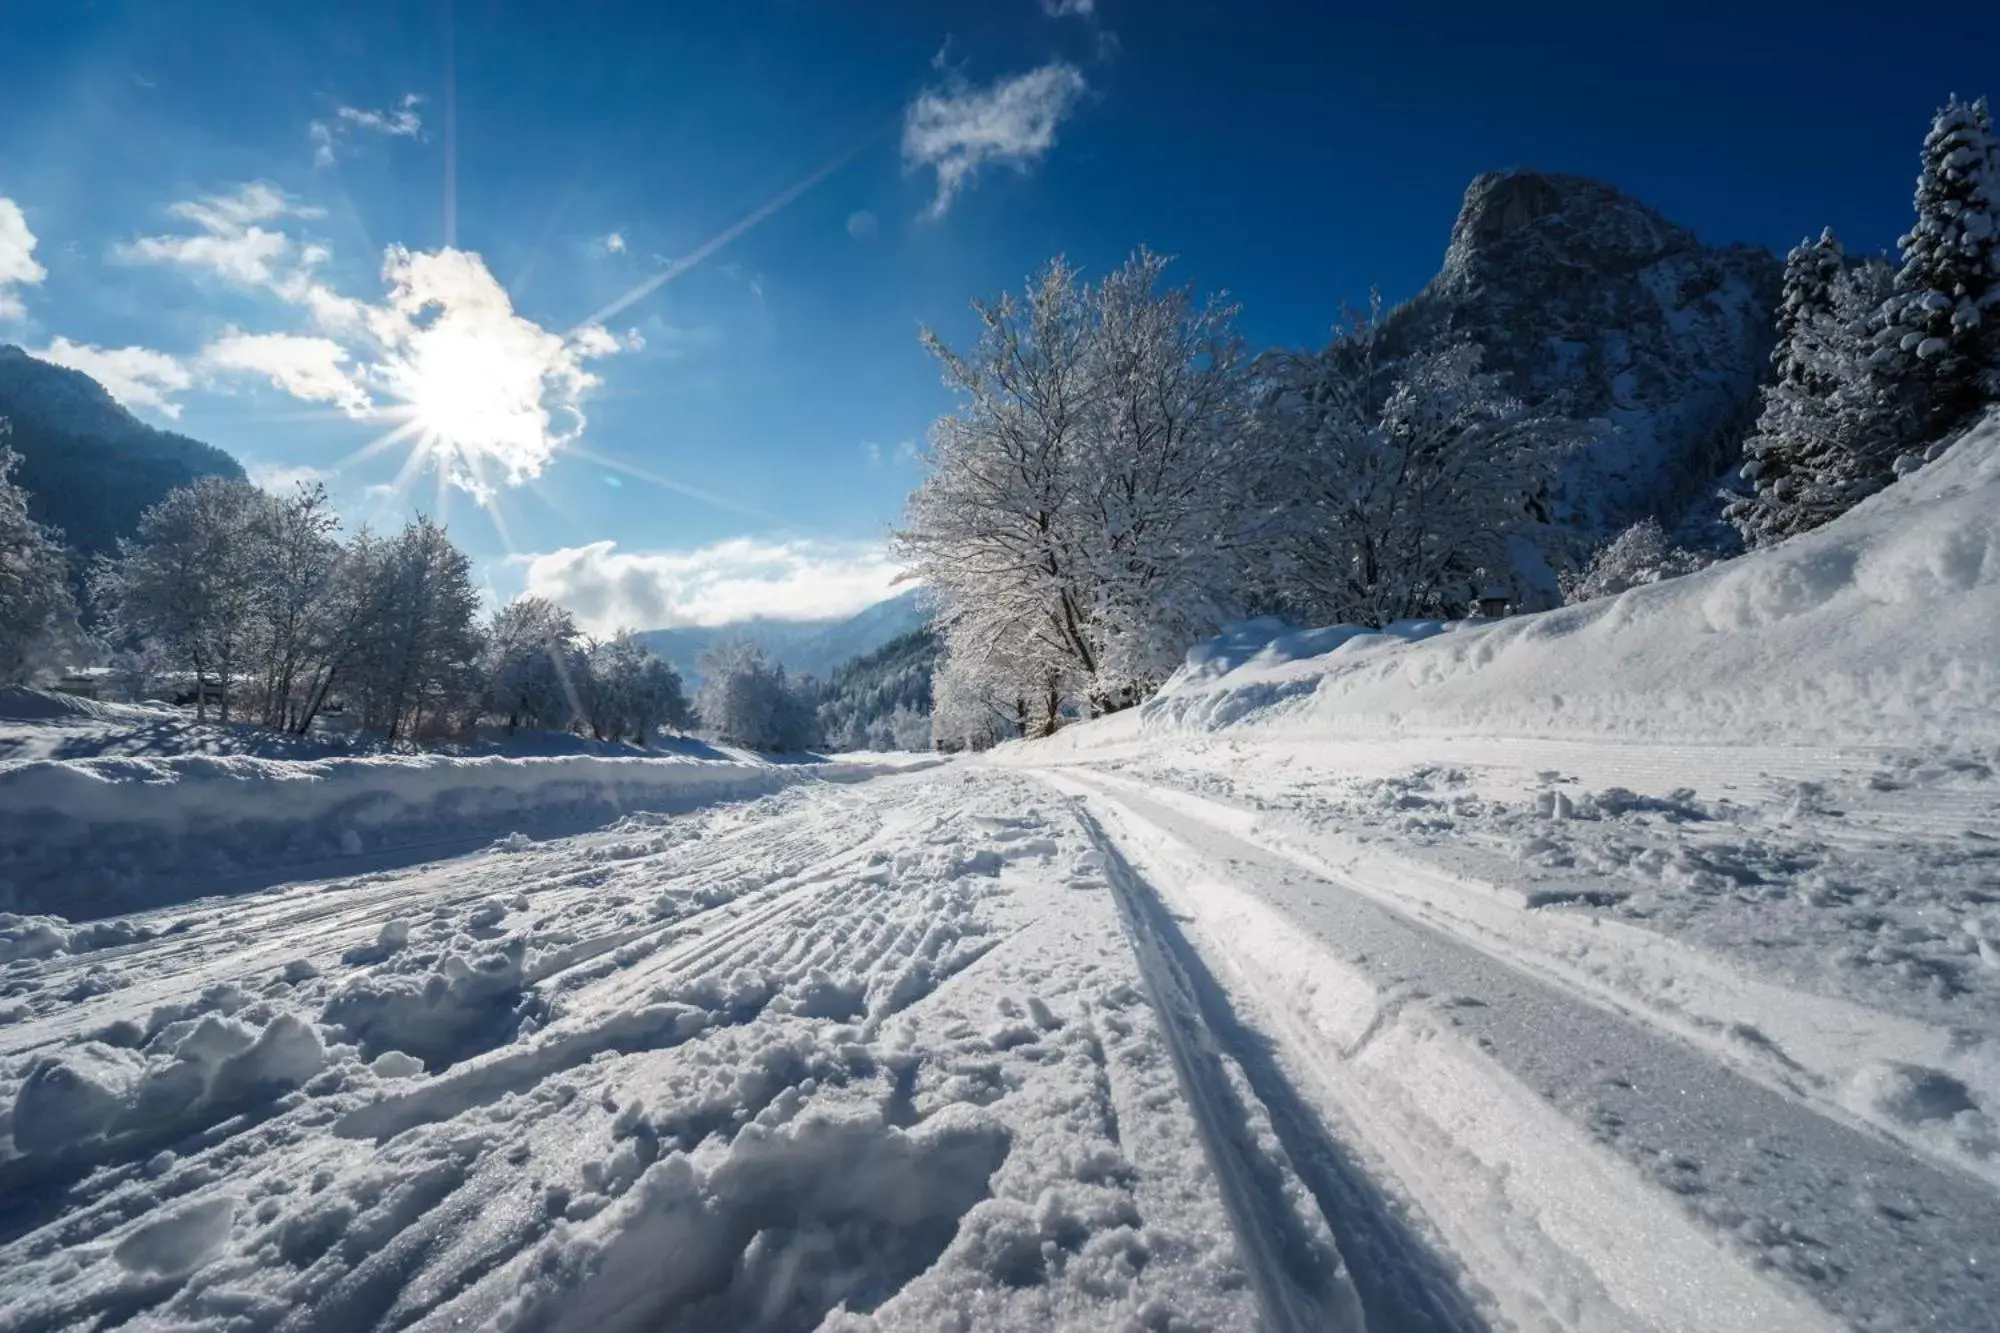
37, 612
1944, 322
1401, 488
1834, 420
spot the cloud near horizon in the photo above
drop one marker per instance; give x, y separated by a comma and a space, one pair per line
138, 377
738, 579
957, 128
18, 267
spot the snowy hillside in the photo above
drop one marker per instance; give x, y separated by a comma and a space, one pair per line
1878, 628
90, 466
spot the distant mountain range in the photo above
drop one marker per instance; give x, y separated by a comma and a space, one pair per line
89, 466
802, 647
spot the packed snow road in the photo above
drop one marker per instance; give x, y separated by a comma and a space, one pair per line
980, 1046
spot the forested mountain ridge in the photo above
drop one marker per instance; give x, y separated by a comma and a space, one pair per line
882, 699
1589, 303
89, 466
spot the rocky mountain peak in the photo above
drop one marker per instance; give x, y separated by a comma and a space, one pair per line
1590, 303
1519, 217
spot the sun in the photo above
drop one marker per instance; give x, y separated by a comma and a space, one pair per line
465, 396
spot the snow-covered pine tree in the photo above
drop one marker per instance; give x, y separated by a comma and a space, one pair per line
1944, 323
37, 612
1834, 420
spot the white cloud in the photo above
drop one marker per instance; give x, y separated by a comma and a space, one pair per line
957, 128
485, 393
862, 226
17, 259
402, 123
1069, 8
614, 244
138, 377
282, 478
315, 370
872, 452
734, 580
327, 136
230, 243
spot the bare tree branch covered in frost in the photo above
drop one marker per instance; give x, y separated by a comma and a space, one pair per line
1400, 489
1088, 512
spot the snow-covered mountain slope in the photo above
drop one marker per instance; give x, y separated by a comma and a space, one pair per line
89, 466
1879, 628
1591, 302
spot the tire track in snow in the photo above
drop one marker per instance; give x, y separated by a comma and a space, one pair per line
1298, 1284
1870, 1231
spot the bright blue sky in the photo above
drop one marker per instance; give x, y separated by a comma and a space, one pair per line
1294, 154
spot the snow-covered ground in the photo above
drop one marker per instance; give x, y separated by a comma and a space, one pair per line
1631, 967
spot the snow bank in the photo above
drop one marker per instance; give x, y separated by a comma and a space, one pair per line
1881, 628
92, 837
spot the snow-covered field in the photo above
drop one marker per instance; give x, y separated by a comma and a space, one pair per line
1631, 967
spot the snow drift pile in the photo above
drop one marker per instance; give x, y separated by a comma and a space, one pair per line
1876, 629
96, 836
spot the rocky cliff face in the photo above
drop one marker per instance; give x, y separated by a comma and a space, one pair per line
1590, 302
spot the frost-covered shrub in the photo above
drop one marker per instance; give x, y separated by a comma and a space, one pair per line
1637, 556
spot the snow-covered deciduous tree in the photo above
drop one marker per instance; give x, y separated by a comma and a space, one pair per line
295, 555
190, 580
1087, 507
747, 700
1402, 487
630, 693
974, 709
416, 673
37, 611
531, 665
1944, 321
1640, 555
